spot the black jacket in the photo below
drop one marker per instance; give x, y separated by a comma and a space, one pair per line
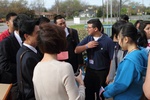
29, 61
73, 41
8, 50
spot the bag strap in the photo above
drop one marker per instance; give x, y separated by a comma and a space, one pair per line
21, 82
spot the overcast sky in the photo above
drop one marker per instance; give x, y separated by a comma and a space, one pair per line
49, 3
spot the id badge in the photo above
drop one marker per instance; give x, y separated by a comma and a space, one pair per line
91, 61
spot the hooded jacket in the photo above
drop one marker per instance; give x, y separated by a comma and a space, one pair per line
129, 79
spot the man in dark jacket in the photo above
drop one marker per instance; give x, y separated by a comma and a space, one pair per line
28, 33
72, 39
8, 50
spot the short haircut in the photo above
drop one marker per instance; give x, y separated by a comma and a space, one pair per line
124, 17
58, 17
9, 15
43, 20
51, 39
27, 27
116, 27
18, 20
96, 23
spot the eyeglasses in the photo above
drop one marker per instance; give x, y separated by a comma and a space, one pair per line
89, 27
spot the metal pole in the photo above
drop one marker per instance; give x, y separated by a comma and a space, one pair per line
111, 10
107, 11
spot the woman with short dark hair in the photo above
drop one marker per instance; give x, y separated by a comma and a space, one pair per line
54, 79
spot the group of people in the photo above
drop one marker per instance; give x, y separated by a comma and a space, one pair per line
30, 50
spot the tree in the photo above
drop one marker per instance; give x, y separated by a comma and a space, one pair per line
100, 12
69, 8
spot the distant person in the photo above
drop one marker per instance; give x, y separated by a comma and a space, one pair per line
100, 50
124, 18
43, 20
118, 52
72, 41
145, 28
9, 21
28, 33
53, 79
131, 70
137, 24
8, 50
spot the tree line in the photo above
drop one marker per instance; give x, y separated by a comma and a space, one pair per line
71, 8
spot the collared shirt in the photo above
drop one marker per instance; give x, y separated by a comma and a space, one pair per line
66, 31
99, 58
18, 38
30, 47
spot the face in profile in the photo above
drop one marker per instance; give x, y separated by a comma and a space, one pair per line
61, 23
122, 41
32, 39
90, 29
10, 22
147, 30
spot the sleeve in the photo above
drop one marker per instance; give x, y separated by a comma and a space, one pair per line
110, 49
123, 80
5, 63
74, 93
83, 42
112, 69
80, 57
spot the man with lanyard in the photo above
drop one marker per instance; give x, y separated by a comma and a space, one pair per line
100, 49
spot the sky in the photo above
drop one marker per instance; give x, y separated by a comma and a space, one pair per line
49, 3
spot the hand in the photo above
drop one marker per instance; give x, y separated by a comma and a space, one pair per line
108, 80
92, 44
79, 78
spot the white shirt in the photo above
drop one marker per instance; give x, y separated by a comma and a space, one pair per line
18, 38
66, 31
96, 38
30, 47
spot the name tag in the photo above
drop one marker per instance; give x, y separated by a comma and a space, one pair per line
63, 55
91, 61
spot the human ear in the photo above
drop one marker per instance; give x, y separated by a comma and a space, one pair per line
126, 39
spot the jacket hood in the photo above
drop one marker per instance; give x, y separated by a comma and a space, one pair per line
140, 59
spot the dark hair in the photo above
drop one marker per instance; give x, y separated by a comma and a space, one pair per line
51, 39
58, 17
27, 27
43, 20
96, 23
138, 38
9, 15
124, 17
143, 24
116, 27
138, 21
18, 20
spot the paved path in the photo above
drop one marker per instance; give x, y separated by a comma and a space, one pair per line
3, 27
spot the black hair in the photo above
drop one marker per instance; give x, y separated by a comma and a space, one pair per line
58, 17
138, 21
27, 27
96, 23
124, 17
116, 27
138, 38
143, 24
43, 20
9, 15
18, 20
